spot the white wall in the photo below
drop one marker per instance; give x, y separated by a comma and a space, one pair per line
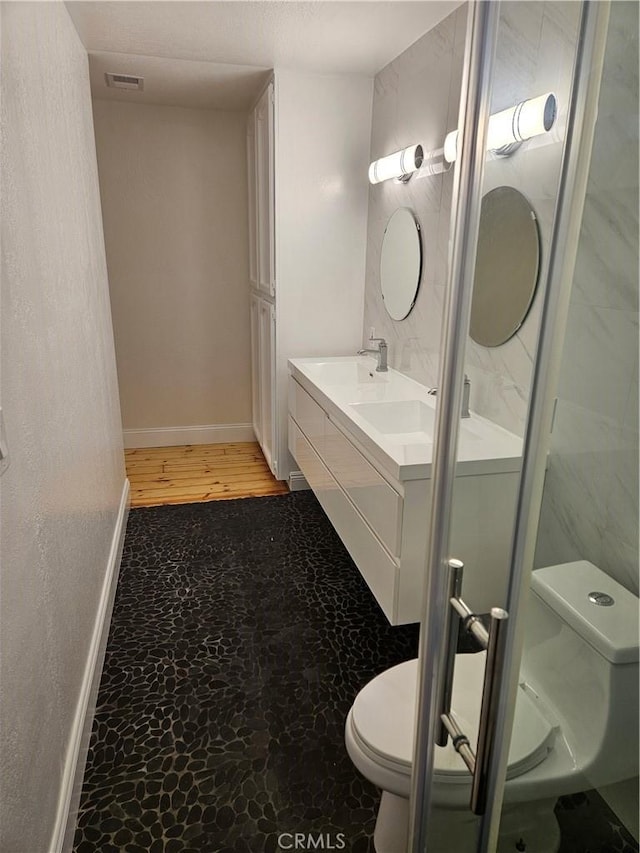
323, 124
416, 100
174, 200
60, 497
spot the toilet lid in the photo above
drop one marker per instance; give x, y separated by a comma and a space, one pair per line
383, 717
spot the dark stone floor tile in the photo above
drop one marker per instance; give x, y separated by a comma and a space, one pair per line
241, 634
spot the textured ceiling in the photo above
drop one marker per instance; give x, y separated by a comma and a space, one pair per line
330, 36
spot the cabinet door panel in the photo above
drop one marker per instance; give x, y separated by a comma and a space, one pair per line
256, 415
267, 381
253, 213
265, 187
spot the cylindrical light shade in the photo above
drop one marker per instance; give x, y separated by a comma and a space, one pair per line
433, 163
396, 165
526, 119
450, 147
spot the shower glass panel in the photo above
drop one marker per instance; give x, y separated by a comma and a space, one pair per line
580, 203
590, 498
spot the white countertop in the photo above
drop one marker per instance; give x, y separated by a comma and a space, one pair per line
341, 384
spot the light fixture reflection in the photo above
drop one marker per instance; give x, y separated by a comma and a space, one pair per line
509, 128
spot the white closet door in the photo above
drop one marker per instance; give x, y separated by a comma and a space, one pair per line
253, 213
264, 115
267, 382
256, 403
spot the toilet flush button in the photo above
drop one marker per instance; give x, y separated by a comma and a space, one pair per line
601, 599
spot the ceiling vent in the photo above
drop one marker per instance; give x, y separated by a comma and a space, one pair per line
124, 81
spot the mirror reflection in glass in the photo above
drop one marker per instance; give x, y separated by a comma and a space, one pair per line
400, 263
507, 264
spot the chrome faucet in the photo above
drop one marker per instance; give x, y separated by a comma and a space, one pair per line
381, 352
464, 411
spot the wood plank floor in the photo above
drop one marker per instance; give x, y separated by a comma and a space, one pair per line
193, 473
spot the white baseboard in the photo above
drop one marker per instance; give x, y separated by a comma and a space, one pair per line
73, 772
298, 482
172, 436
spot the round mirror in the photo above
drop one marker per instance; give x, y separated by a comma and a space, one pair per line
400, 263
507, 264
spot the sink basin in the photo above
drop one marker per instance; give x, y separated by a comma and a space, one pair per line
345, 373
408, 420
393, 418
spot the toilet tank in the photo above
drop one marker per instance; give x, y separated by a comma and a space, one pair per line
581, 656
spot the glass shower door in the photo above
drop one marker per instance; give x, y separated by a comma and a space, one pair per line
517, 215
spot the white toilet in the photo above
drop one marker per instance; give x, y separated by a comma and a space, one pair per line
576, 719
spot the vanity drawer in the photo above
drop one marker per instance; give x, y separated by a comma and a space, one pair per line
376, 566
378, 502
316, 474
308, 414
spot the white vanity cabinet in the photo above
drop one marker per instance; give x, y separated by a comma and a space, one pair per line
307, 234
366, 509
378, 498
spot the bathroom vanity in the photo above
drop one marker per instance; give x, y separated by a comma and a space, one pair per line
364, 439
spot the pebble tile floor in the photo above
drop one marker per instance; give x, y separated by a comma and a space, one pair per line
240, 636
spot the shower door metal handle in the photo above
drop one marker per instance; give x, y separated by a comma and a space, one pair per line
494, 670
494, 642
451, 631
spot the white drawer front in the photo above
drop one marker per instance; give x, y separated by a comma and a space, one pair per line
376, 566
310, 463
373, 496
308, 414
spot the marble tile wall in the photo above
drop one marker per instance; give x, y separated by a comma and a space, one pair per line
416, 99
590, 505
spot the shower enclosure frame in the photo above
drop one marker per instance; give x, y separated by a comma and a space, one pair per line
482, 31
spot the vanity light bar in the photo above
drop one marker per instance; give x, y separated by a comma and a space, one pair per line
507, 129
400, 164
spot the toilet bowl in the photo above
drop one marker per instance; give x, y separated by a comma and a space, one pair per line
575, 724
